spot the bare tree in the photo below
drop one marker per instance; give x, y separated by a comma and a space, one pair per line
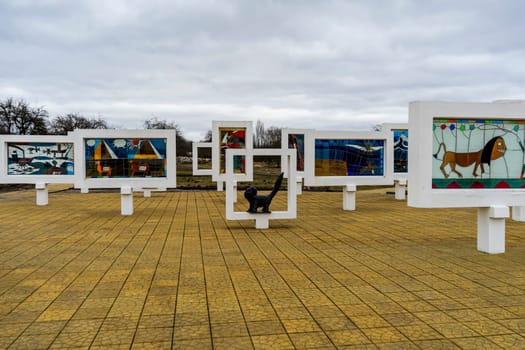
183, 145
267, 138
208, 136
17, 117
62, 124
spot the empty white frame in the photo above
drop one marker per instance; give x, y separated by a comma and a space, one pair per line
261, 219
195, 159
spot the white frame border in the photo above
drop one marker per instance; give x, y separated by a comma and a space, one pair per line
421, 115
169, 181
284, 145
390, 127
231, 186
312, 180
35, 179
195, 159
215, 155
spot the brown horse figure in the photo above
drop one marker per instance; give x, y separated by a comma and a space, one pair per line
494, 149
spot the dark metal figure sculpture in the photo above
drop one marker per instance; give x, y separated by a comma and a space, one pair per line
259, 201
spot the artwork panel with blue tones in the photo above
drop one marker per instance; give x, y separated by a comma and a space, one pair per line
123, 157
478, 153
40, 158
296, 141
400, 151
353, 157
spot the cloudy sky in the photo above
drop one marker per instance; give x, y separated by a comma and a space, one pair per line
326, 64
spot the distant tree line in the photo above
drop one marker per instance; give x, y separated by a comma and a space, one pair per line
17, 117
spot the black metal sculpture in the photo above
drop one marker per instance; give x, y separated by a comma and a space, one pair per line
258, 201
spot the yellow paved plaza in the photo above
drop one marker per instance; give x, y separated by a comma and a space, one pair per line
76, 274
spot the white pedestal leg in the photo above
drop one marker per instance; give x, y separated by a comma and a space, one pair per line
349, 197
491, 229
235, 192
299, 187
262, 221
400, 189
84, 190
41, 194
220, 186
518, 213
147, 193
126, 200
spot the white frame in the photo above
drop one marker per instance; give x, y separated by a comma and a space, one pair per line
312, 180
169, 181
284, 145
391, 127
261, 219
421, 115
195, 159
35, 179
216, 155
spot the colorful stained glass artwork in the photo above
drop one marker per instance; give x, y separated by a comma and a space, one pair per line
296, 141
40, 158
122, 157
400, 151
478, 153
232, 138
354, 157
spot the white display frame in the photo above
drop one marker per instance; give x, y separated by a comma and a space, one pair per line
136, 183
493, 204
284, 145
35, 179
321, 181
400, 178
216, 155
422, 195
391, 127
261, 219
195, 159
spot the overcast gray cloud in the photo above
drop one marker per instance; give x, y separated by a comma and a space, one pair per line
316, 64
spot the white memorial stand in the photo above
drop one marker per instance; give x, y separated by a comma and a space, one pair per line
492, 203
400, 178
126, 184
126, 200
348, 182
491, 228
262, 220
349, 192
41, 193
54, 149
400, 189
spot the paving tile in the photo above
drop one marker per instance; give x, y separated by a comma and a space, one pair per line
233, 343
475, 343
348, 337
74, 339
384, 335
509, 341
272, 342
265, 327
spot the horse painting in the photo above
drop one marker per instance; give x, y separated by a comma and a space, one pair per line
494, 149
